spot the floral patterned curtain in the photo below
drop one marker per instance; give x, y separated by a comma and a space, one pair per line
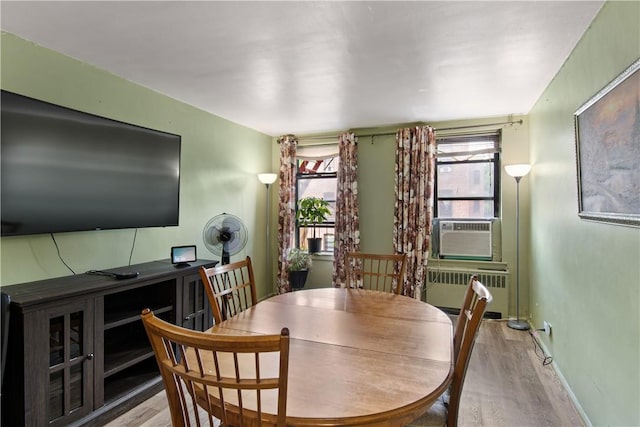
415, 164
286, 207
347, 219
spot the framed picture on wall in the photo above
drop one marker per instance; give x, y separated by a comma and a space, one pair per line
607, 129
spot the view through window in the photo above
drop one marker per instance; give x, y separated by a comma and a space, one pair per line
317, 178
467, 177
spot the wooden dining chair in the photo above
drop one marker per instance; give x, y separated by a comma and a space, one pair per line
444, 411
377, 272
234, 379
231, 288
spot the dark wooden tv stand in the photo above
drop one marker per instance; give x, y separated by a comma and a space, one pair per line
78, 353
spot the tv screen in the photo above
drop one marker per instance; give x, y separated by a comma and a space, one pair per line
64, 170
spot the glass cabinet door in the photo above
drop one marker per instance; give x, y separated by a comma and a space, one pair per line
70, 363
196, 311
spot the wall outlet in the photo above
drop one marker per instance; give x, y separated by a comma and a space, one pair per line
547, 328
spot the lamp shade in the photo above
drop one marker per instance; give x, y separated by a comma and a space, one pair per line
519, 170
267, 178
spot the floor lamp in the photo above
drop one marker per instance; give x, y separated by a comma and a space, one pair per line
267, 179
518, 171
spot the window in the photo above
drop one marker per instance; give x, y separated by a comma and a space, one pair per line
467, 177
317, 178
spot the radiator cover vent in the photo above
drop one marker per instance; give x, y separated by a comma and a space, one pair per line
446, 287
452, 277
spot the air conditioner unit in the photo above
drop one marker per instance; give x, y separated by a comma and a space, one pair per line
466, 239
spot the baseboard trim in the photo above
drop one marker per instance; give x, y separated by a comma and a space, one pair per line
565, 384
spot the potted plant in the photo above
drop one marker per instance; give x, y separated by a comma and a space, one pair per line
311, 212
298, 265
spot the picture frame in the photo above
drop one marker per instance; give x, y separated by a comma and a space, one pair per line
607, 137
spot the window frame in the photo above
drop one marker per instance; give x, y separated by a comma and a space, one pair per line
495, 160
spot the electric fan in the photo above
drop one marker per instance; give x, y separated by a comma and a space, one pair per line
225, 235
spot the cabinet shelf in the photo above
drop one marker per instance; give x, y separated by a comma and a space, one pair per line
115, 319
122, 382
127, 345
125, 306
115, 362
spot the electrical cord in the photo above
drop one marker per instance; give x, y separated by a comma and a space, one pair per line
133, 245
60, 256
546, 360
99, 272
432, 274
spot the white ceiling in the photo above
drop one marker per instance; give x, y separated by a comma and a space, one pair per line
305, 67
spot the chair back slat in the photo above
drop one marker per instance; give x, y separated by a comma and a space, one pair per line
477, 298
231, 288
224, 377
376, 272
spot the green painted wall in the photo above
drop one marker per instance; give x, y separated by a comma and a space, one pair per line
219, 164
376, 164
585, 275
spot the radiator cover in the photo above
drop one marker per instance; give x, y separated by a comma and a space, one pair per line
446, 286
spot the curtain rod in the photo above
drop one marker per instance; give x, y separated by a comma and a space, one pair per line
510, 122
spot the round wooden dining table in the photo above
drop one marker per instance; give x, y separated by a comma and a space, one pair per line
357, 357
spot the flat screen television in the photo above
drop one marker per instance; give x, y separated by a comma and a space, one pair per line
64, 170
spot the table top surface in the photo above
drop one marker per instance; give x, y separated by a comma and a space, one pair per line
356, 357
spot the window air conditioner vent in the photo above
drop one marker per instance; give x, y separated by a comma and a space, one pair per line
472, 226
466, 239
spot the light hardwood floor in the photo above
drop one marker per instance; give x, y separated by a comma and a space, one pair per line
506, 385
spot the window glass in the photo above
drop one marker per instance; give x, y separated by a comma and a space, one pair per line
56, 340
56, 395
465, 182
75, 386
466, 150
465, 209
317, 178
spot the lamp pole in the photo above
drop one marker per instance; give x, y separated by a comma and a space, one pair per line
517, 172
267, 179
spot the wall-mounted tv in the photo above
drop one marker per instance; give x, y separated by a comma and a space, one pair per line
64, 170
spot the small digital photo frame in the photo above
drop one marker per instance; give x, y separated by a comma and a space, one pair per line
181, 256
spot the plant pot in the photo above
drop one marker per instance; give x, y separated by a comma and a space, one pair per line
297, 279
314, 244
